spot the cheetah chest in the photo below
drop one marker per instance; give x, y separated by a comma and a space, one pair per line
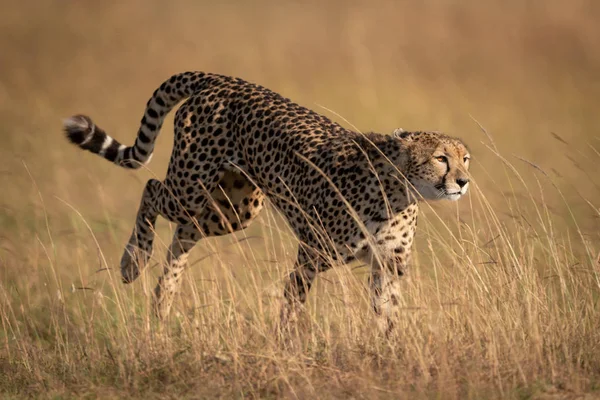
391, 240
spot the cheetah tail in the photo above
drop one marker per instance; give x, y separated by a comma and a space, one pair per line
82, 131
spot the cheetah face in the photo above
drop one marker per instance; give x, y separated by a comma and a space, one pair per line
439, 165
448, 172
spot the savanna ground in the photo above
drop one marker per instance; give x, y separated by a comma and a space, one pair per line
502, 300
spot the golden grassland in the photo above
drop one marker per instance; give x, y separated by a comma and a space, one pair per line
503, 298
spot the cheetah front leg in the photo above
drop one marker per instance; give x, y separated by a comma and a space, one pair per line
390, 259
139, 248
385, 285
385, 298
298, 285
184, 239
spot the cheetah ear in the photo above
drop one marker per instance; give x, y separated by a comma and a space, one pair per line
400, 133
408, 136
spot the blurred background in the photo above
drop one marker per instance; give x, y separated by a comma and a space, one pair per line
526, 71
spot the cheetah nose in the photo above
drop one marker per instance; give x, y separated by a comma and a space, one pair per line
462, 182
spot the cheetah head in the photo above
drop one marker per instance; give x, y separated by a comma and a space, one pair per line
438, 164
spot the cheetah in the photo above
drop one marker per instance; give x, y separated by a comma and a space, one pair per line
346, 195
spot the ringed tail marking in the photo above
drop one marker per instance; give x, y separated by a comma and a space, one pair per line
81, 130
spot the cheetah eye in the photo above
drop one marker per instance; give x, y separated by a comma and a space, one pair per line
441, 159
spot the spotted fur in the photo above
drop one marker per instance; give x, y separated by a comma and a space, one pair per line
346, 195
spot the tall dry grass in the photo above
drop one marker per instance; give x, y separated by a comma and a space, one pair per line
502, 300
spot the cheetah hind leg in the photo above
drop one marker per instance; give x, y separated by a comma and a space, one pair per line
232, 206
184, 239
139, 248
